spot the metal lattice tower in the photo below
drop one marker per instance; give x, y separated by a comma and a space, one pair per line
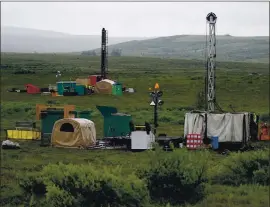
211, 63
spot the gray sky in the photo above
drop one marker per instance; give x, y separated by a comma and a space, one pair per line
144, 19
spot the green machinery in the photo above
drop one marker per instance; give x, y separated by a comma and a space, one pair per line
115, 124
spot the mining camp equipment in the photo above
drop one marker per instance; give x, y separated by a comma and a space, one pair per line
206, 121
104, 53
120, 130
24, 130
49, 114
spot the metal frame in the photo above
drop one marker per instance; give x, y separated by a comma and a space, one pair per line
211, 63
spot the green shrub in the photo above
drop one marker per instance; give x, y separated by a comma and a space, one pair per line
176, 177
83, 185
243, 168
242, 196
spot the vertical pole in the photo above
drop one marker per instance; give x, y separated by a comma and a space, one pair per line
103, 54
155, 113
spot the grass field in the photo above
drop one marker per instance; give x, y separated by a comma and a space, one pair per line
180, 81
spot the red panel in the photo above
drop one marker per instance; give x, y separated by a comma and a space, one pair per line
194, 141
31, 89
93, 80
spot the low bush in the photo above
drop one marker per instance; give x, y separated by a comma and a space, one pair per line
176, 177
84, 185
242, 196
243, 168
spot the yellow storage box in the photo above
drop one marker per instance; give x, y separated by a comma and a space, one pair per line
23, 134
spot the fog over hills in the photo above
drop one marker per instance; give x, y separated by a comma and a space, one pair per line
229, 48
15, 39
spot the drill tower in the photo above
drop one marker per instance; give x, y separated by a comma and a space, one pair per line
210, 79
104, 53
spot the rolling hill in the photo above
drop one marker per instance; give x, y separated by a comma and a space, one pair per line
24, 40
229, 48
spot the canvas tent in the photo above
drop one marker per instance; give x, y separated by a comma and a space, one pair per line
105, 86
83, 81
73, 132
228, 127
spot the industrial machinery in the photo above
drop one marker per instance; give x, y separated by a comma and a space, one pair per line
104, 54
210, 78
102, 74
119, 130
210, 125
42, 107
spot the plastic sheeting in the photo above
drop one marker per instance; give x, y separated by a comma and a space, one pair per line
228, 127
10, 145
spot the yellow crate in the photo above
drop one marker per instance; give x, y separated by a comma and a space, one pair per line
23, 134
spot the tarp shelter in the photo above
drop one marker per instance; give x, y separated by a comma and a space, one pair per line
105, 86
228, 127
73, 132
83, 81
31, 89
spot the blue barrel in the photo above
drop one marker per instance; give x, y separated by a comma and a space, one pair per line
214, 142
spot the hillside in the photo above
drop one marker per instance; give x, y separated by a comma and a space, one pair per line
15, 39
229, 48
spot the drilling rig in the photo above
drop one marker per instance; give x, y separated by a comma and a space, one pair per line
210, 77
104, 54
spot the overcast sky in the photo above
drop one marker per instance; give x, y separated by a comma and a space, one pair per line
144, 19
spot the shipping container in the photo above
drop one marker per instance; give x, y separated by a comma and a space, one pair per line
64, 85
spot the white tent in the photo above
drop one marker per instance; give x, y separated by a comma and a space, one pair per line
228, 127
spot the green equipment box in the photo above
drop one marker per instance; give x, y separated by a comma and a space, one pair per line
115, 124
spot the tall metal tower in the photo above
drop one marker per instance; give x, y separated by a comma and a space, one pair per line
210, 79
104, 53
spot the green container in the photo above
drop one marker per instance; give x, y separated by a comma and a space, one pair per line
61, 86
107, 110
80, 89
115, 124
48, 118
83, 114
117, 89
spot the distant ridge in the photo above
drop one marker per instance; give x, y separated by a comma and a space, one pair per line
229, 48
